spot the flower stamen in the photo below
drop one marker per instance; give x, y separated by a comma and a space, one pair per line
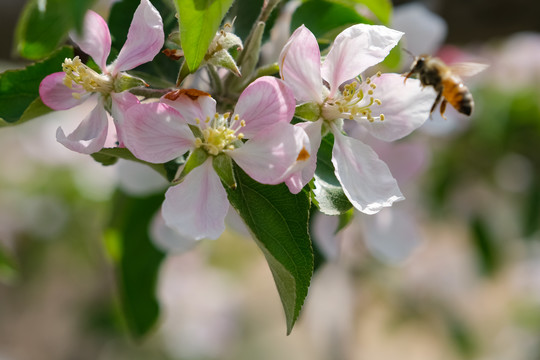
80, 74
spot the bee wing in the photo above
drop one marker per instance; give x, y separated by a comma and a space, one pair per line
467, 69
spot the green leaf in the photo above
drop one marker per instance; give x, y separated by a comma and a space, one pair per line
485, 246
278, 221
246, 13
40, 31
199, 20
329, 195
382, 9
139, 262
8, 267
325, 19
106, 157
20, 88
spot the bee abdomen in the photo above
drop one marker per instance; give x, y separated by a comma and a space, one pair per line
459, 97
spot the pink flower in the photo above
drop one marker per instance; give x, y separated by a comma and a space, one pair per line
78, 83
385, 106
160, 132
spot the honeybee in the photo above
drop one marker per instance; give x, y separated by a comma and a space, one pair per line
446, 81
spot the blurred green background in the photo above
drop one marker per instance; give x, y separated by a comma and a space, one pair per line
461, 281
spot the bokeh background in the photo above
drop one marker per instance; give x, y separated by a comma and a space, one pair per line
451, 273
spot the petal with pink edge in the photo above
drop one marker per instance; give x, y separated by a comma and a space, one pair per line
95, 39
354, 50
264, 102
89, 137
300, 66
366, 180
192, 104
58, 96
405, 106
268, 156
198, 205
306, 169
144, 40
121, 102
156, 133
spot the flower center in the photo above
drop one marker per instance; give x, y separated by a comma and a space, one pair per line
219, 133
80, 74
354, 102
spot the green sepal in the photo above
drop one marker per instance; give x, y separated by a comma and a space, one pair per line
223, 166
126, 82
196, 158
309, 111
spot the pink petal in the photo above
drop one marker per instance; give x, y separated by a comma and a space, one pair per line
268, 156
58, 96
95, 39
191, 104
300, 66
264, 102
405, 106
366, 180
89, 137
156, 133
144, 40
197, 206
121, 102
354, 50
305, 172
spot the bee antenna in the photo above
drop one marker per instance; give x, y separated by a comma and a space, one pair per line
408, 52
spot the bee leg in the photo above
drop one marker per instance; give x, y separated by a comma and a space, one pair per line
437, 100
443, 108
407, 76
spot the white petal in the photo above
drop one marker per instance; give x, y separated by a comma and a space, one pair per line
354, 50
156, 133
191, 104
264, 102
197, 206
300, 66
304, 171
366, 180
121, 102
391, 235
167, 238
91, 133
95, 40
268, 156
144, 40
405, 106
424, 31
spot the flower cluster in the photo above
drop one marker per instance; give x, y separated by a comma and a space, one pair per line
257, 134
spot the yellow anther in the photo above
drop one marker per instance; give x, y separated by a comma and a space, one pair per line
236, 117
373, 86
226, 115
76, 95
242, 123
368, 81
381, 117
197, 121
377, 101
379, 74
370, 92
240, 136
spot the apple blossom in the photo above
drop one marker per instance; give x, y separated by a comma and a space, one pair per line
186, 120
78, 83
330, 92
